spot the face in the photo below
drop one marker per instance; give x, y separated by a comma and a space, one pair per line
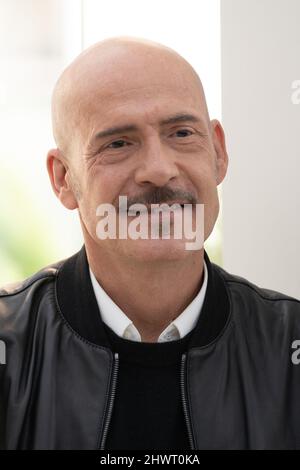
145, 134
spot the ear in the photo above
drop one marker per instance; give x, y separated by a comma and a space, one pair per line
59, 175
218, 138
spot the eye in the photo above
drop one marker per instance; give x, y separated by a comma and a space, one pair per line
183, 133
116, 144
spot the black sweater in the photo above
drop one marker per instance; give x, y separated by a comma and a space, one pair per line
148, 411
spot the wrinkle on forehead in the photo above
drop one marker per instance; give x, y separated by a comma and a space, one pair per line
112, 68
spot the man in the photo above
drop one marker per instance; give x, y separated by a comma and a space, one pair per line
140, 343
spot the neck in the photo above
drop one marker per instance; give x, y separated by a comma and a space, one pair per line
152, 295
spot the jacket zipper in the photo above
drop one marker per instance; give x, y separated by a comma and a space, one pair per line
184, 402
113, 392
111, 399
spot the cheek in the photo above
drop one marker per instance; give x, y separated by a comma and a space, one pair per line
102, 187
211, 210
204, 181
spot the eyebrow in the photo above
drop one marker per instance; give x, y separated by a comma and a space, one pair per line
179, 117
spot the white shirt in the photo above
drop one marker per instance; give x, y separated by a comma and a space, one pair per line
116, 319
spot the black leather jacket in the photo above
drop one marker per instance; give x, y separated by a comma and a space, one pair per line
240, 388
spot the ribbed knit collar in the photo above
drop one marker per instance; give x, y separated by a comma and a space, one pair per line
78, 305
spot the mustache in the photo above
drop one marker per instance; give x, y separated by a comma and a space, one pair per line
162, 195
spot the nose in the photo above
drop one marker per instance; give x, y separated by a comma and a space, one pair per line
156, 165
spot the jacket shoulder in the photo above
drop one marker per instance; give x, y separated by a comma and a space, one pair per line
15, 288
264, 316
235, 282
250, 302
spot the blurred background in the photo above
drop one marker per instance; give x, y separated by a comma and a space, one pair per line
246, 55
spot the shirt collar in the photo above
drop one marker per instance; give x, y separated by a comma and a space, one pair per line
77, 305
118, 321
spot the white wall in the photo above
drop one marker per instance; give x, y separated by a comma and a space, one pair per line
260, 42
187, 28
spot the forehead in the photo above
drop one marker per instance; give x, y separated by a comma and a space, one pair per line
141, 87
143, 104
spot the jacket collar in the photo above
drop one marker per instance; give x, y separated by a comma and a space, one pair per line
78, 305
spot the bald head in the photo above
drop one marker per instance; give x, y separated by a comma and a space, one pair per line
109, 68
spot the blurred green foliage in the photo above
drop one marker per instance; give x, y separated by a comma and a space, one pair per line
24, 245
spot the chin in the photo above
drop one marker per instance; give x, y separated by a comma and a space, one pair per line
156, 250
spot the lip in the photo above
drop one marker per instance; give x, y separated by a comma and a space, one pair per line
170, 203
164, 204
147, 208
167, 207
